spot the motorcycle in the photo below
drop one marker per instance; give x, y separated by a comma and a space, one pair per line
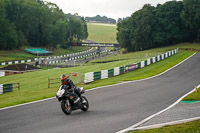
70, 101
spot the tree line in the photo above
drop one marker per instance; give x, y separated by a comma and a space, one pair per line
167, 24
100, 19
39, 24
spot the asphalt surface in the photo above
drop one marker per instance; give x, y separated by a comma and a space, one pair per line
181, 111
86, 60
112, 108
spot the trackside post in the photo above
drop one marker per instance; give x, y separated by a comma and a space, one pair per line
196, 89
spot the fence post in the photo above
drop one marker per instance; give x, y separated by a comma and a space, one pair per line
48, 82
18, 86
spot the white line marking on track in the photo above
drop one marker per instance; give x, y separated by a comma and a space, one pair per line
27, 103
167, 124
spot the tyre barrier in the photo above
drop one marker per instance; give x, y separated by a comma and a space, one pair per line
6, 88
93, 76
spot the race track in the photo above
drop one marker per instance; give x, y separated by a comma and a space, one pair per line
112, 108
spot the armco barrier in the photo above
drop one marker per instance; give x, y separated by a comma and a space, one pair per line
92, 76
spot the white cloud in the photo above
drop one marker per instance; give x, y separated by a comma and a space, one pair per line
110, 8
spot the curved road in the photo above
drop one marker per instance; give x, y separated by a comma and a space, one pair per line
112, 108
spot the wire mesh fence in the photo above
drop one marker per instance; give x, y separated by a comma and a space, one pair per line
76, 77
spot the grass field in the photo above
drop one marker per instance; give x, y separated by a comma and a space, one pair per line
102, 33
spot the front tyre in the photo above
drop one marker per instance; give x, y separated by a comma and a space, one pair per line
66, 108
85, 104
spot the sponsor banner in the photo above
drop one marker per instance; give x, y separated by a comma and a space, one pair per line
131, 67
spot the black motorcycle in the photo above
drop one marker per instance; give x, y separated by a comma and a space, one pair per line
70, 101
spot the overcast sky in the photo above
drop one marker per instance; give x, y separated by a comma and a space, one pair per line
109, 8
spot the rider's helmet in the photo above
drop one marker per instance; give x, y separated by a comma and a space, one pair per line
64, 79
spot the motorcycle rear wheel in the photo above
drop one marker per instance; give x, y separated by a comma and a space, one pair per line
66, 107
85, 106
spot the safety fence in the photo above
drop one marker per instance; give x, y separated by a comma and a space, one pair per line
8, 87
93, 76
77, 78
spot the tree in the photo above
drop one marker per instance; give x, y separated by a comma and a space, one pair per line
58, 34
119, 20
8, 34
191, 18
84, 28
167, 24
38, 23
135, 33
123, 34
141, 34
76, 30
100, 19
169, 28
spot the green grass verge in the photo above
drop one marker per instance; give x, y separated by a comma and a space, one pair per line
192, 97
190, 127
102, 33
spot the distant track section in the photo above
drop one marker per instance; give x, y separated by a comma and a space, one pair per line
97, 44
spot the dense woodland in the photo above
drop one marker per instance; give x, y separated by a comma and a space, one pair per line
163, 25
39, 24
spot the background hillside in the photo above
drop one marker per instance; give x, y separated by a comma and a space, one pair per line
102, 33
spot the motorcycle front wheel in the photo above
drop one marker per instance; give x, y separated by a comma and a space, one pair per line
85, 104
66, 107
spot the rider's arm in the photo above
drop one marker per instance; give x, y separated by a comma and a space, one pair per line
72, 84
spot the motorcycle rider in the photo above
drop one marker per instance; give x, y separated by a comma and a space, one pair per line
69, 85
